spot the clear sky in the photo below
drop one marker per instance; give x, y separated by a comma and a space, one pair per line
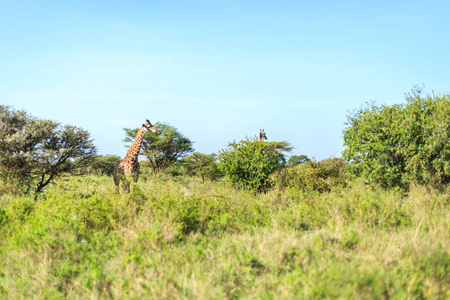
219, 70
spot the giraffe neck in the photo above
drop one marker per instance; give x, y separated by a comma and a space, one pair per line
135, 148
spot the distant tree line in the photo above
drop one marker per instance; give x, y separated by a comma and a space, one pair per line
387, 145
35, 152
102, 165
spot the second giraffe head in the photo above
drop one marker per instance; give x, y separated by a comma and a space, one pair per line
149, 126
262, 135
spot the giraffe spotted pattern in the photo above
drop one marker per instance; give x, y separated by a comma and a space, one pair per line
129, 166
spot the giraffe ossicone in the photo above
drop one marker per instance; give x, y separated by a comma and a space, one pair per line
129, 166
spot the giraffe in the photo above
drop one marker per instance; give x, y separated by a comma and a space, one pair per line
262, 135
130, 165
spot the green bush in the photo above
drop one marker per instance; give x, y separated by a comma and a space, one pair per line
397, 145
249, 163
312, 176
304, 177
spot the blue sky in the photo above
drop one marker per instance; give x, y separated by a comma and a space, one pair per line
219, 70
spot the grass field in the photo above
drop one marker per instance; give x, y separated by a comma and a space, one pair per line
176, 238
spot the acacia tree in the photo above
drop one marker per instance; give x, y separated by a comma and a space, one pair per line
202, 164
400, 144
34, 152
103, 165
163, 147
295, 160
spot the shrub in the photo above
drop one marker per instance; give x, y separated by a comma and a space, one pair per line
249, 163
334, 170
400, 144
312, 176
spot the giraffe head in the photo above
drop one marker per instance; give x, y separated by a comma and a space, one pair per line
262, 135
148, 126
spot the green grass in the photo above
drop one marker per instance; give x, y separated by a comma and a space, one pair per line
176, 238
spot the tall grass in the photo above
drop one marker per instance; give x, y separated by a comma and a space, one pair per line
176, 238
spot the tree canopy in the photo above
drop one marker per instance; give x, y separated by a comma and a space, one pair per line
399, 144
162, 148
295, 160
34, 152
103, 164
201, 164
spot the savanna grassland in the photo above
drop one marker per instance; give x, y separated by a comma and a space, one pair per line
179, 238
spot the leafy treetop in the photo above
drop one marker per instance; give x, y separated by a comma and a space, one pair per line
399, 144
162, 148
34, 152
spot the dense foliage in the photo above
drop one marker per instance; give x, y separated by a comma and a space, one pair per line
399, 144
312, 176
249, 163
203, 165
164, 147
295, 160
34, 152
103, 165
